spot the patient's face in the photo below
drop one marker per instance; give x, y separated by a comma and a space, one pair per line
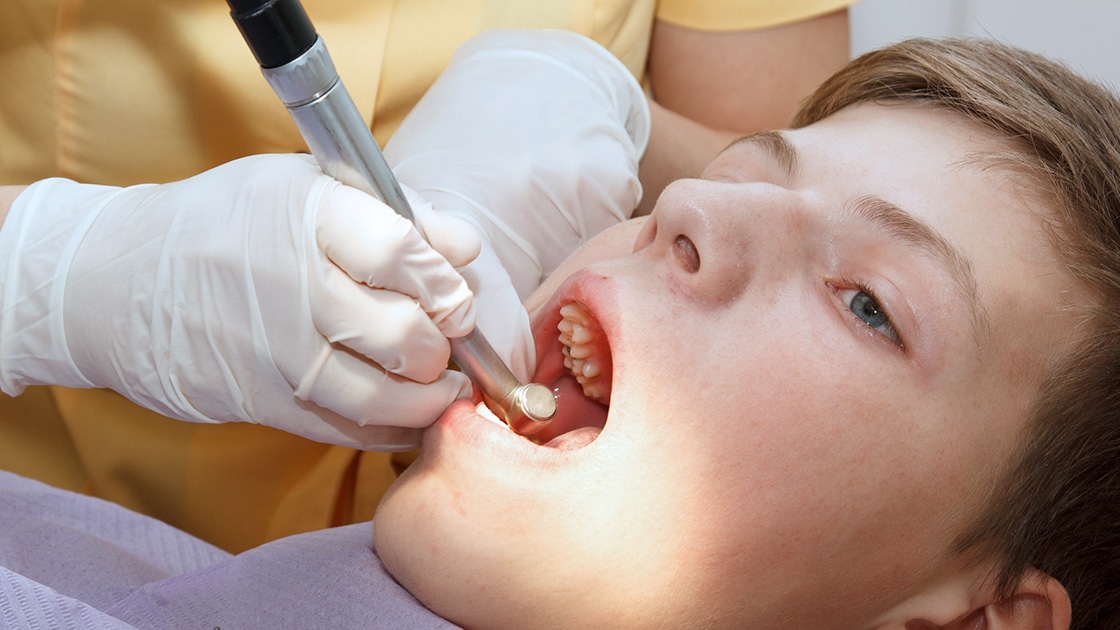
818, 362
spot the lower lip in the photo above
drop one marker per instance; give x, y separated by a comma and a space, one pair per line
462, 424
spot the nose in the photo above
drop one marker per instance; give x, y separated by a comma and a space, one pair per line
714, 237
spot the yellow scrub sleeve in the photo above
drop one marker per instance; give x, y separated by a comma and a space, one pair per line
112, 92
737, 15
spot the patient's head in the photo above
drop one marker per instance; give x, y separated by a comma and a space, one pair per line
834, 365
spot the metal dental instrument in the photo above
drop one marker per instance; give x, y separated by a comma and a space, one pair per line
295, 62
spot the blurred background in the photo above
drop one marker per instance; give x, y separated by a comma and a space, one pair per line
1082, 33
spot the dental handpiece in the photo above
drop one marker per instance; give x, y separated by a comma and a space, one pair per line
294, 60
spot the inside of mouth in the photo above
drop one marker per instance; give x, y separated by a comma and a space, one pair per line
578, 368
586, 354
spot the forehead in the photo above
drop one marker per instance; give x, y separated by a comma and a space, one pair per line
937, 167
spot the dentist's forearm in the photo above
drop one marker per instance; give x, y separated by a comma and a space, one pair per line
678, 147
8, 196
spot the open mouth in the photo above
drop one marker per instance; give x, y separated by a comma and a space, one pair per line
574, 360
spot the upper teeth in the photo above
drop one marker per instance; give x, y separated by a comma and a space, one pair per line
580, 357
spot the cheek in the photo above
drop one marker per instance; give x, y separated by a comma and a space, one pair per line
775, 467
791, 442
766, 425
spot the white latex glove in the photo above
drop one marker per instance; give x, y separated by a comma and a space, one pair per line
535, 138
260, 291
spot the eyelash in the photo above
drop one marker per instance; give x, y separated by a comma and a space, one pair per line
891, 332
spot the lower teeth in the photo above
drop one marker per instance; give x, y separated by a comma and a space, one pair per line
485, 412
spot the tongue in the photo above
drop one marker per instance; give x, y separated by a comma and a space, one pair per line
574, 412
573, 440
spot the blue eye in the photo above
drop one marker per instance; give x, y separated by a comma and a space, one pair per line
866, 307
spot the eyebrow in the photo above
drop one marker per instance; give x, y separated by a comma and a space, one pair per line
895, 222
776, 145
908, 229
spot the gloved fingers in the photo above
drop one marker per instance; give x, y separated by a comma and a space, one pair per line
453, 237
379, 248
351, 387
330, 428
389, 328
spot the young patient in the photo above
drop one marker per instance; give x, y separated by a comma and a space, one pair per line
861, 373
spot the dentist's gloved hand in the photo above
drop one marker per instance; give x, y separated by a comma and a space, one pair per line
260, 291
535, 138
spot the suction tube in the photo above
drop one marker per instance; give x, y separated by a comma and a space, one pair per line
295, 61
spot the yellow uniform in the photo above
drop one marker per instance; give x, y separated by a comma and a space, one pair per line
113, 92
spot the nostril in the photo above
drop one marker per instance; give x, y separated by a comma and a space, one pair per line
686, 253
